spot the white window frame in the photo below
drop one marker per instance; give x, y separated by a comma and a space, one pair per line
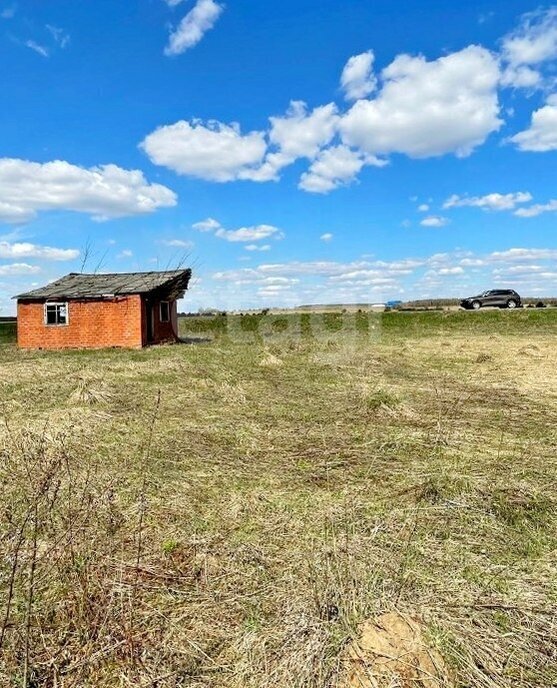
58, 304
160, 312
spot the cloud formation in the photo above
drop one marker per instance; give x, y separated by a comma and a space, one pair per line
492, 201
537, 209
104, 192
541, 136
415, 107
434, 221
193, 26
212, 151
425, 109
243, 234
18, 269
357, 79
36, 47
25, 249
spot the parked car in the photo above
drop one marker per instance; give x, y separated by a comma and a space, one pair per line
500, 298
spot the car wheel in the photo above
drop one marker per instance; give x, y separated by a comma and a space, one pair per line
511, 304
476, 305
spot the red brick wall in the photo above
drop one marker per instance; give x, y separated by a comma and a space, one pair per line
92, 324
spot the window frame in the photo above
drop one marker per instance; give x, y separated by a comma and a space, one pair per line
57, 305
168, 318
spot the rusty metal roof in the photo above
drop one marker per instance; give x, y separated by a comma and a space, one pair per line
76, 285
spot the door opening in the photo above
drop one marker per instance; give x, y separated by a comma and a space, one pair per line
150, 312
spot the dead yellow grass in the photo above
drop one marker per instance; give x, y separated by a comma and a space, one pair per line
187, 516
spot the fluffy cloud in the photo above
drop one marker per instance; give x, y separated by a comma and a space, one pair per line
255, 247
219, 152
256, 233
18, 269
334, 167
301, 134
434, 221
542, 134
538, 209
244, 234
193, 26
104, 192
177, 243
358, 80
28, 250
534, 40
521, 77
493, 201
424, 109
456, 270
525, 49
208, 225
326, 237
519, 255
212, 151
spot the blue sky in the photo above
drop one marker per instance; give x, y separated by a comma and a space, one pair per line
294, 152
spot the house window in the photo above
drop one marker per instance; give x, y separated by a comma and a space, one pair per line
165, 311
56, 314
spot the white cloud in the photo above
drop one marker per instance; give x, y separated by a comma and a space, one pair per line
437, 275
434, 221
492, 201
126, 253
542, 134
104, 192
518, 255
333, 167
423, 109
28, 250
358, 80
243, 234
538, 209
39, 49
301, 134
212, 151
456, 270
18, 269
518, 270
256, 233
193, 26
177, 243
326, 237
255, 247
208, 225
535, 39
61, 38
521, 77
423, 208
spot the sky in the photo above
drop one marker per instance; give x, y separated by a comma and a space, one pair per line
307, 151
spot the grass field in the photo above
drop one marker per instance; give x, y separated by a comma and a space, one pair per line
229, 512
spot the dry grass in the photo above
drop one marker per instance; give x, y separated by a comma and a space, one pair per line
204, 516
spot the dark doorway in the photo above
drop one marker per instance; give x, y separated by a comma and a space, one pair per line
150, 313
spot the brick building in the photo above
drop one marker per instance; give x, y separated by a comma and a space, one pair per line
129, 310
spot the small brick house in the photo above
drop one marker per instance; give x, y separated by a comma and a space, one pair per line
83, 311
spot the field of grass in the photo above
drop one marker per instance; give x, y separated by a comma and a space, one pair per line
228, 513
